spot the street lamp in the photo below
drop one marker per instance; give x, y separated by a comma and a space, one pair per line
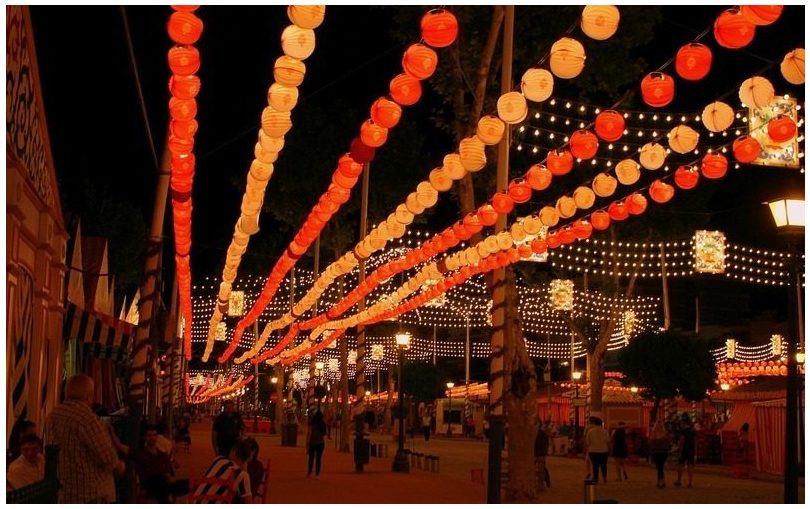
450, 385
401, 460
319, 391
576, 375
724, 386
634, 389
788, 214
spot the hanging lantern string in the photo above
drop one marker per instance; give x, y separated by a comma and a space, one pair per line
547, 54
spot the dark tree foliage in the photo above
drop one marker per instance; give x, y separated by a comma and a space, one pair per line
422, 381
667, 365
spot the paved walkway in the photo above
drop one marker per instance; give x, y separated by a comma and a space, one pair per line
340, 484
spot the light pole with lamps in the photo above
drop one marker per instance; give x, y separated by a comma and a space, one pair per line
401, 460
450, 386
319, 390
576, 375
788, 214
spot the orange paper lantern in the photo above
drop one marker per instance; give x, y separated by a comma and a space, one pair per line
732, 30
490, 130
361, 152
439, 180
183, 128
792, 66
405, 90
184, 87
636, 203
693, 61
439, 28
658, 89
349, 167
567, 236
746, 149
582, 229
781, 129
600, 220
185, 27
306, 16
714, 166
182, 109
502, 203
686, 177
718, 116
420, 61
609, 125
553, 240
539, 177
184, 60
584, 197
761, 14
539, 246
604, 184
584, 144
373, 135
559, 162
537, 84
487, 214
756, 92
567, 58
661, 192
600, 22
512, 107
618, 211
289, 71
282, 97
520, 191
298, 42
385, 113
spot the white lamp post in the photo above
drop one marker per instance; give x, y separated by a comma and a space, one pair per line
450, 385
401, 464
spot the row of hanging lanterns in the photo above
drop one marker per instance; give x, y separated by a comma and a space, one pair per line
297, 43
184, 29
439, 28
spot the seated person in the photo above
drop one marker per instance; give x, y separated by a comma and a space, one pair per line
155, 470
29, 468
20, 429
233, 469
255, 468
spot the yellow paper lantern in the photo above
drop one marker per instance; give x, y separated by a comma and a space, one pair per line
717, 117
298, 42
271, 144
627, 171
289, 71
683, 139
756, 92
413, 205
263, 155
604, 185
567, 58
512, 107
584, 197
261, 171
566, 207
426, 195
471, 151
490, 245
537, 84
281, 97
504, 240
549, 216
532, 225
600, 22
439, 180
403, 214
395, 228
275, 124
306, 16
793, 66
490, 130
517, 232
452, 166
652, 156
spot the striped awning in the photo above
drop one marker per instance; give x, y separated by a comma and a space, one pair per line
102, 336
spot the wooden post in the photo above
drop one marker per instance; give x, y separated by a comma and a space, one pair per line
360, 364
665, 286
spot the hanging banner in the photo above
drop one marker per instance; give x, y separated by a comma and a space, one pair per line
710, 252
785, 154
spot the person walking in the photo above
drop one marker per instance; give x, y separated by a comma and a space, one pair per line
156, 473
541, 443
87, 458
426, 424
686, 448
619, 442
227, 429
659, 447
315, 443
597, 443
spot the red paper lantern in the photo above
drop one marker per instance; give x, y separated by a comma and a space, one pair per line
686, 177
349, 167
361, 152
539, 177
636, 203
183, 128
439, 28
185, 8
618, 211
582, 229
661, 192
553, 240
385, 113
559, 162
344, 181
185, 27
179, 145
567, 236
761, 14
609, 125
693, 61
184, 60
472, 223
183, 163
584, 144
781, 129
520, 191
184, 87
406, 90
600, 220
658, 89
524, 250
714, 166
419, 61
746, 149
502, 203
373, 135
487, 214
732, 30
337, 194
539, 246
182, 109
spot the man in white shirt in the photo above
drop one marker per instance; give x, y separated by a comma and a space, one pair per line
29, 468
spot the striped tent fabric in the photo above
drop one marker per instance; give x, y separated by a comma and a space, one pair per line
102, 336
770, 436
22, 322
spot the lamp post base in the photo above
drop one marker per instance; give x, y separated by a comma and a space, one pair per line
401, 463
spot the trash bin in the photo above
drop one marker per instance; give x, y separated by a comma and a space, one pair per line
289, 435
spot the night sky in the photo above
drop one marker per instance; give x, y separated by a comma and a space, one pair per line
97, 129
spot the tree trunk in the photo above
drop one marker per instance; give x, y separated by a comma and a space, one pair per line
345, 421
596, 379
387, 418
520, 400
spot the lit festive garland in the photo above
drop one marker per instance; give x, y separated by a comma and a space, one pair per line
298, 42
